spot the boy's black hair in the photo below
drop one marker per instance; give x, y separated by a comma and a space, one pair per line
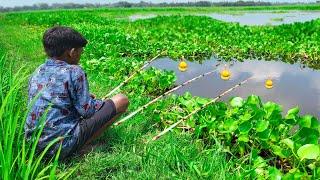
58, 39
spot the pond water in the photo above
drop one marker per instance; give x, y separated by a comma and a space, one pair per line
253, 17
267, 18
140, 16
293, 85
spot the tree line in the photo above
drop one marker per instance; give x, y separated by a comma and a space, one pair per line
45, 6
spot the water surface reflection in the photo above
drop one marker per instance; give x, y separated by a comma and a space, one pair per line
292, 85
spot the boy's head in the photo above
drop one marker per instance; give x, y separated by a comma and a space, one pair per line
64, 43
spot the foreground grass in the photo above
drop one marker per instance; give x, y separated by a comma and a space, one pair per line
18, 158
127, 154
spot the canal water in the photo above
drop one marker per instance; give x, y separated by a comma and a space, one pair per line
141, 16
252, 17
293, 85
267, 18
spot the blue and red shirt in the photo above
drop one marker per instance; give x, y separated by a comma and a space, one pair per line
59, 92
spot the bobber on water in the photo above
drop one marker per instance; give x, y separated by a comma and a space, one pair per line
269, 83
183, 66
225, 73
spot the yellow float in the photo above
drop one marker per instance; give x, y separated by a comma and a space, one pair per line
183, 66
269, 83
225, 73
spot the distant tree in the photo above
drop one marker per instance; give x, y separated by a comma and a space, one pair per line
123, 4
43, 6
203, 3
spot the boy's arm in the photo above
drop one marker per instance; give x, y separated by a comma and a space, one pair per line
85, 104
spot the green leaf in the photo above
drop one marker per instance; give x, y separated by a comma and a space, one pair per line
312, 166
202, 101
274, 135
259, 162
305, 121
262, 125
245, 127
274, 173
306, 136
309, 122
245, 117
187, 95
315, 123
254, 153
230, 125
292, 113
293, 175
236, 102
309, 151
289, 143
264, 135
271, 108
278, 151
243, 138
253, 99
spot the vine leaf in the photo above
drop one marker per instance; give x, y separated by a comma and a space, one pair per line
309, 151
289, 143
262, 125
236, 102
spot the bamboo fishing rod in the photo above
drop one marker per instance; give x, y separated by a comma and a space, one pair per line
166, 93
198, 109
131, 76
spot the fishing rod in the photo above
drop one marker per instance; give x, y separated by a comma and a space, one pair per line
166, 93
198, 109
131, 76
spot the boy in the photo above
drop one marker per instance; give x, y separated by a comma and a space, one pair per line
60, 92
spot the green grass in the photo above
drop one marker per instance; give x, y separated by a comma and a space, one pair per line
18, 158
24, 45
128, 156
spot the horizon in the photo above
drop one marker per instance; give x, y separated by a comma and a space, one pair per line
13, 3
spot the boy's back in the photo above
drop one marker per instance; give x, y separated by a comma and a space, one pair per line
59, 92
63, 91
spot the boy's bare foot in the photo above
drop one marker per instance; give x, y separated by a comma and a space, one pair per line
121, 102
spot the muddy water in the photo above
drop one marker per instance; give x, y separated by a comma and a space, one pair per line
293, 85
267, 18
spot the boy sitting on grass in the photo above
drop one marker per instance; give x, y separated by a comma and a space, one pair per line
60, 90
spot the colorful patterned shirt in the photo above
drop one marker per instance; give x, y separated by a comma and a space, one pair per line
59, 92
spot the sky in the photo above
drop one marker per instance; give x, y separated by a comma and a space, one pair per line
11, 3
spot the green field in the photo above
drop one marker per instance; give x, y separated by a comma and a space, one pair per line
240, 139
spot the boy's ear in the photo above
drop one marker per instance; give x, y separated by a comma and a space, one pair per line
72, 52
